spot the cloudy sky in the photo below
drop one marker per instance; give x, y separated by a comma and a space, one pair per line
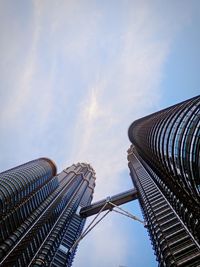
74, 75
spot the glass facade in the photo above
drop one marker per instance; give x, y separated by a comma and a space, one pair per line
167, 145
39, 222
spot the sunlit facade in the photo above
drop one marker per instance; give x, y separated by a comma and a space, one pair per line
165, 167
39, 219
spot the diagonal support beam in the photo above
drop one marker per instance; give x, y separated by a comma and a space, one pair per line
118, 199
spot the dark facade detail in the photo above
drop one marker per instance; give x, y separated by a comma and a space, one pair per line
39, 220
164, 161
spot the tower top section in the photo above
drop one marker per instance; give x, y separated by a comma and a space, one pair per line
168, 140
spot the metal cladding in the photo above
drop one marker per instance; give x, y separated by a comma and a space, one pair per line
40, 223
164, 161
170, 141
19, 183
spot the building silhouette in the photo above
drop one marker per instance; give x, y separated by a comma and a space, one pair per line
42, 213
164, 162
39, 219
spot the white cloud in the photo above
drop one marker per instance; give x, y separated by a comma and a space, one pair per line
100, 135
90, 69
128, 88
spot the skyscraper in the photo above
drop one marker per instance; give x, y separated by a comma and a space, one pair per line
39, 220
164, 162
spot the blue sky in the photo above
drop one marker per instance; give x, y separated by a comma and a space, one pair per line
74, 75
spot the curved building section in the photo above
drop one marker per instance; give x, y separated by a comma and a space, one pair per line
164, 161
46, 235
18, 183
170, 141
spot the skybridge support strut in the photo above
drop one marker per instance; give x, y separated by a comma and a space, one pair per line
117, 200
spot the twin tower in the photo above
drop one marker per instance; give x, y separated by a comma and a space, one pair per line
42, 213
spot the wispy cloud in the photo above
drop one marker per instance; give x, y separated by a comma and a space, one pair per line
105, 112
23, 83
75, 75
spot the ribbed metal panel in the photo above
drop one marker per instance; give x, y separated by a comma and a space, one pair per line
70, 225
171, 239
46, 221
169, 143
19, 183
170, 139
